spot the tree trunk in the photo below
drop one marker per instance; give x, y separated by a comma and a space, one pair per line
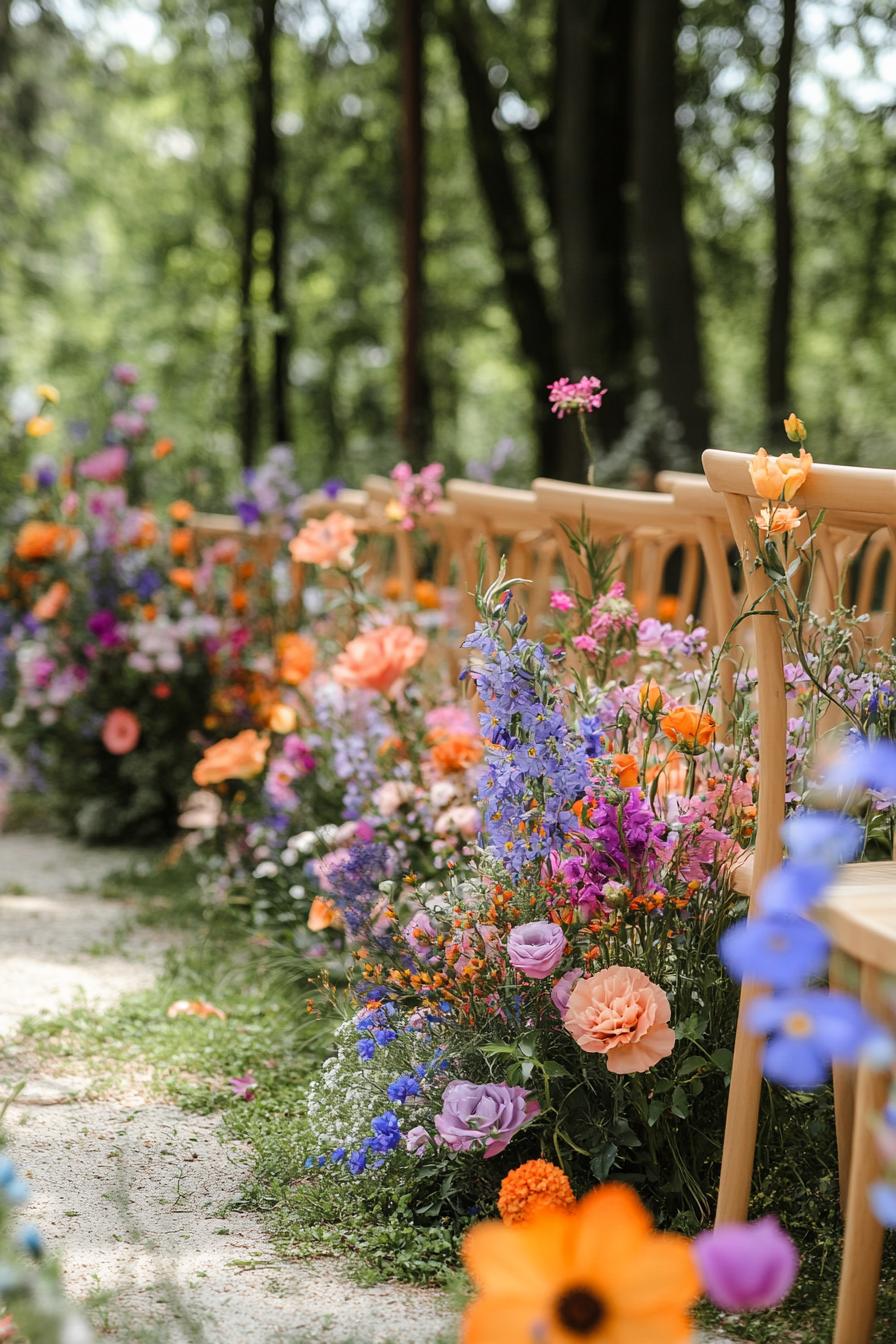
591, 173
671, 297
525, 293
777, 371
414, 427
247, 383
270, 190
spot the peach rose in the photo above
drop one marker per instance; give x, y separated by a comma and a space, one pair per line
779, 518
378, 659
622, 1014
121, 732
688, 726
240, 757
48, 607
795, 471
295, 657
325, 541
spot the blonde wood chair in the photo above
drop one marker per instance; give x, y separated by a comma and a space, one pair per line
403, 553
851, 497
650, 528
494, 521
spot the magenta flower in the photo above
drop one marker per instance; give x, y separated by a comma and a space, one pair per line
562, 990
483, 1116
244, 1088
583, 397
536, 949
107, 466
747, 1266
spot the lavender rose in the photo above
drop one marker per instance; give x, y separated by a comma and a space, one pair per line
537, 948
488, 1114
562, 990
747, 1266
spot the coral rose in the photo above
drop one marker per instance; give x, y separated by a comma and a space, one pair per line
295, 658
622, 1014
378, 659
688, 726
39, 541
48, 607
325, 541
121, 732
240, 757
781, 518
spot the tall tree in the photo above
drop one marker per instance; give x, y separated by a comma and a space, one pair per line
414, 428
263, 207
526, 295
592, 169
670, 289
780, 316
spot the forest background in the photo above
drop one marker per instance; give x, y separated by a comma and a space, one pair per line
378, 228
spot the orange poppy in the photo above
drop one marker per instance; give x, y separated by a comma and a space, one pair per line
181, 510
688, 726
183, 579
38, 540
597, 1273
161, 448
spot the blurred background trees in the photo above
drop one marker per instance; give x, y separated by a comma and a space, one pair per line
378, 228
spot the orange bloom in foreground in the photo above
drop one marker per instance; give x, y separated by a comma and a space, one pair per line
779, 518
625, 768
240, 757
39, 541
295, 658
121, 732
456, 751
378, 659
181, 510
688, 726
622, 1014
534, 1186
325, 541
595, 1274
48, 607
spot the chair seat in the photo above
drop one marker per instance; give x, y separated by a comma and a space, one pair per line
859, 912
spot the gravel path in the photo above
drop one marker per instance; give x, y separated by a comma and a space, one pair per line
136, 1196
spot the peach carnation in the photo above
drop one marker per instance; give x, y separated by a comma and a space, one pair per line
622, 1014
240, 757
325, 541
378, 659
532, 1188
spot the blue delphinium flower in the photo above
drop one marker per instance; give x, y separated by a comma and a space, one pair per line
794, 888
822, 838
807, 1031
357, 1161
366, 1048
779, 950
404, 1086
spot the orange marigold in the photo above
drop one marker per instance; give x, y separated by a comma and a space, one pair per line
535, 1185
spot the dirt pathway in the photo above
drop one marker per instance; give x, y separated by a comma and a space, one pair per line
139, 1198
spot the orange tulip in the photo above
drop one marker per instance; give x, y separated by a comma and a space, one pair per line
795, 470
794, 428
625, 768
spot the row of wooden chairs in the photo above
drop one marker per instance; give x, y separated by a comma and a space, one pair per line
690, 548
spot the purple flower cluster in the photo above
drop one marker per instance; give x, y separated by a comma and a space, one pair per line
352, 881
621, 842
536, 768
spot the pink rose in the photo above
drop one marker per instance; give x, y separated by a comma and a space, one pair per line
622, 1014
562, 990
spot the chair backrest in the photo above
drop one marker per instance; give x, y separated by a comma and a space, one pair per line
495, 521
857, 502
650, 527
317, 503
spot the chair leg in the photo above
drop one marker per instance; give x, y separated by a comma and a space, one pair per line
864, 1237
742, 1119
844, 1076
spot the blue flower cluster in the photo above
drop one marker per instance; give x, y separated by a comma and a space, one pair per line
807, 1028
374, 1029
354, 883
536, 766
371, 1151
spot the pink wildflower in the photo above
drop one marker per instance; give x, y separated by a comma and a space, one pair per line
561, 601
244, 1087
584, 396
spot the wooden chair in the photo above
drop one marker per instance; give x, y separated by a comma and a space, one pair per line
494, 521
650, 528
403, 552
863, 897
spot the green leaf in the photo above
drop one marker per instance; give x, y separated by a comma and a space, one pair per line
603, 1160
680, 1103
